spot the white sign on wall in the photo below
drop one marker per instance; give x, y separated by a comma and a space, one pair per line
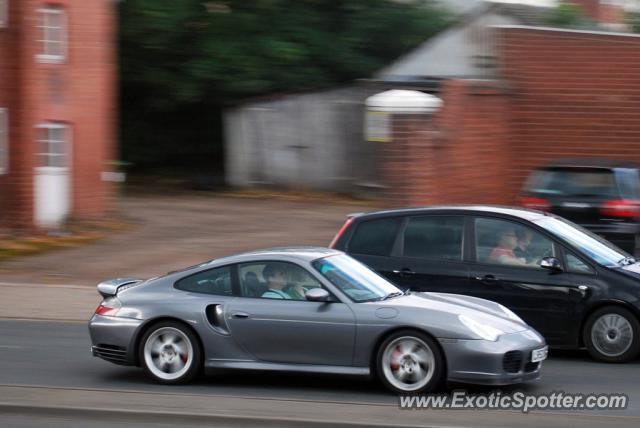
378, 126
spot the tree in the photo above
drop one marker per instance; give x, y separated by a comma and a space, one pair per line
567, 15
633, 20
182, 61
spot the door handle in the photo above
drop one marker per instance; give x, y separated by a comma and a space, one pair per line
487, 279
404, 272
240, 315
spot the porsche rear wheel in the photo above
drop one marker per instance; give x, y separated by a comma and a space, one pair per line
410, 362
170, 353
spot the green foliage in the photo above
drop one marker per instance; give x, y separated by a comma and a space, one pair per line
181, 61
190, 49
633, 20
567, 15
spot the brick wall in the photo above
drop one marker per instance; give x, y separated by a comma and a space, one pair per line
9, 99
79, 92
563, 94
458, 155
573, 95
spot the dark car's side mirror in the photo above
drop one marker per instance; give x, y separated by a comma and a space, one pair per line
551, 263
318, 295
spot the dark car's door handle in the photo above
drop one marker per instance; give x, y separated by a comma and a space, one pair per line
487, 279
404, 272
240, 315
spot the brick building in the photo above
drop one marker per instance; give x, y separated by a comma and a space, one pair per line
57, 110
558, 94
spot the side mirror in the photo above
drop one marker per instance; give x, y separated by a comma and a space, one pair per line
551, 263
317, 295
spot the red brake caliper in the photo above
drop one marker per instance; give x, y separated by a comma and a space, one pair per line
395, 358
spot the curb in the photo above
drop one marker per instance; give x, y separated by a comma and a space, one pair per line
151, 416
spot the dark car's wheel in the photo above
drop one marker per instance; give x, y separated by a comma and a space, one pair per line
409, 361
170, 353
612, 334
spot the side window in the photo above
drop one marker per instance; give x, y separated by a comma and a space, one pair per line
510, 243
214, 281
53, 35
375, 237
575, 265
275, 280
434, 237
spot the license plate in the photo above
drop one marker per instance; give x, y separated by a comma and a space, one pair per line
538, 355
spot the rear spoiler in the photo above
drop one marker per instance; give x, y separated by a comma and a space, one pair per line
111, 287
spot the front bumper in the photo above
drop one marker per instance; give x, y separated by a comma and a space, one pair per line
113, 338
503, 362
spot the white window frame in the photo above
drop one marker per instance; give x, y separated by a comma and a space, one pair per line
4, 13
4, 141
66, 150
45, 55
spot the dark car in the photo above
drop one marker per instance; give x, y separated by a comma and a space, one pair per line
568, 283
600, 195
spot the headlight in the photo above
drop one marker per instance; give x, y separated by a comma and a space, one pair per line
510, 314
485, 331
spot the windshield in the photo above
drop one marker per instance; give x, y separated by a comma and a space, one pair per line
354, 279
592, 245
574, 182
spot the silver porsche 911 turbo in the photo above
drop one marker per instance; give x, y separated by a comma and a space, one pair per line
309, 310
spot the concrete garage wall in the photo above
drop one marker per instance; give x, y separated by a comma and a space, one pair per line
312, 141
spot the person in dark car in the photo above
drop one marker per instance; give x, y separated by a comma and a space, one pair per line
522, 251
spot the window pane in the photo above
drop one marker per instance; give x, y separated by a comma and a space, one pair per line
214, 281
434, 237
574, 264
574, 182
628, 183
57, 161
375, 237
510, 243
275, 280
52, 31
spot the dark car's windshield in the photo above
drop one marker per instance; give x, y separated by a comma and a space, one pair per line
592, 245
354, 279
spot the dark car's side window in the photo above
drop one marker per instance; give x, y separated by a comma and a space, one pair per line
505, 242
575, 265
375, 237
213, 281
435, 237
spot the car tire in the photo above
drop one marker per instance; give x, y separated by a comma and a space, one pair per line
408, 361
612, 334
170, 353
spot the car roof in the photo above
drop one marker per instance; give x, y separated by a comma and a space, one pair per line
523, 213
590, 163
303, 253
